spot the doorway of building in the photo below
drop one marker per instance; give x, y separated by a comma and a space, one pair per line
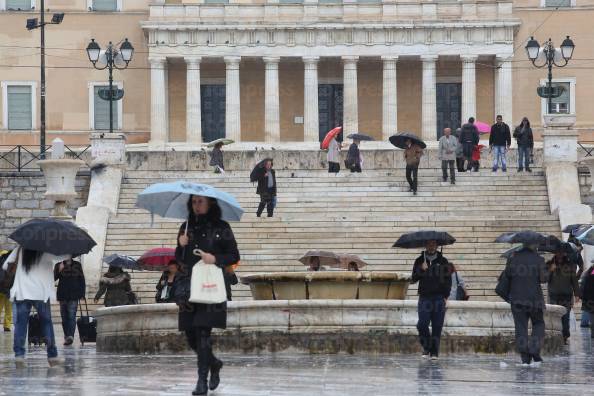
212, 101
449, 107
330, 105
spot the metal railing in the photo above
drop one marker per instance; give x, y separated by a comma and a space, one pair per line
22, 157
587, 150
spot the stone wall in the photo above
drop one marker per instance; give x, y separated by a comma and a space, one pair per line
22, 198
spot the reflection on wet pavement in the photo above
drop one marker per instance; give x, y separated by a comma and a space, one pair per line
88, 373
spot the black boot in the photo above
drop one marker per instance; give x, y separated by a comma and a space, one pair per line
201, 385
203, 367
215, 370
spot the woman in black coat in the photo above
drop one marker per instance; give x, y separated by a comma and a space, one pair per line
267, 189
210, 239
525, 139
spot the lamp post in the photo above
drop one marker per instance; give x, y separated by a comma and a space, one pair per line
533, 50
33, 23
113, 56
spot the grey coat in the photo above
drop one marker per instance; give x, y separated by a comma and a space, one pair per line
447, 148
526, 271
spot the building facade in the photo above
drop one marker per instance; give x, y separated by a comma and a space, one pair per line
290, 70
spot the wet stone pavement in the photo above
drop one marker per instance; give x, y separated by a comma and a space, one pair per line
89, 373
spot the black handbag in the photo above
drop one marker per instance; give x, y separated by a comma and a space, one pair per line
503, 288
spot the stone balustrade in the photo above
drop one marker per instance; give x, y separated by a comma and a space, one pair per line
321, 326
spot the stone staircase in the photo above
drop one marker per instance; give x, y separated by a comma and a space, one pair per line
352, 213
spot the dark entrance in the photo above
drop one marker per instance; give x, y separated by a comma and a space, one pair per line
449, 107
212, 100
330, 103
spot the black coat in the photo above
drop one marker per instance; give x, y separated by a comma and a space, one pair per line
526, 271
353, 155
436, 280
500, 135
524, 137
71, 282
263, 189
469, 135
588, 291
214, 237
161, 285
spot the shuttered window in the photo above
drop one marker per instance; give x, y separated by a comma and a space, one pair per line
557, 3
105, 5
18, 4
101, 110
19, 98
562, 104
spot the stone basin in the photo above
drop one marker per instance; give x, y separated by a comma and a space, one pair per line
328, 285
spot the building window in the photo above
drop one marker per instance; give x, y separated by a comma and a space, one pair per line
18, 109
558, 3
18, 5
99, 108
564, 104
104, 5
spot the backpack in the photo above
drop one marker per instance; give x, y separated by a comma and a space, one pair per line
7, 276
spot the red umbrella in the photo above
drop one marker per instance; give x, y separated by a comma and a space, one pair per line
156, 259
329, 136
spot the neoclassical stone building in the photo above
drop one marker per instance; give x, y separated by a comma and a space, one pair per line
289, 70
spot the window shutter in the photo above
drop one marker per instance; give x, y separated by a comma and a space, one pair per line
102, 110
563, 100
105, 5
18, 4
557, 3
19, 107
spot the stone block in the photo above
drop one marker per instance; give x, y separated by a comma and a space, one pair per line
176, 160
26, 195
46, 204
27, 204
137, 160
384, 159
43, 213
19, 182
37, 181
157, 160
198, 160
18, 213
7, 204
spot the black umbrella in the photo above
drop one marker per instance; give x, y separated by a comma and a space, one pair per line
399, 140
121, 261
53, 236
419, 239
360, 136
576, 229
259, 170
524, 237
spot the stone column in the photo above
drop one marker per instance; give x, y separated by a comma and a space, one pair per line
429, 100
351, 108
504, 89
468, 87
193, 109
271, 100
232, 101
311, 122
159, 114
390, 98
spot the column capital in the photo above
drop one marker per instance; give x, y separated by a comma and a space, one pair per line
350, 59
311, 61
232, 61
429, 58
157, 62
271, 59
468, 58
193, 60
502, 58
390, 58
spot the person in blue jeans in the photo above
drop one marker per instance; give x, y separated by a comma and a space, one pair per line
33, 288
499, 142
434, 274
71, 288
525, 140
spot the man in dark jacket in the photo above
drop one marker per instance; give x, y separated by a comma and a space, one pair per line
434, 274
267, 190
499, 141
71, 288
526, 270
469, 138
563, 286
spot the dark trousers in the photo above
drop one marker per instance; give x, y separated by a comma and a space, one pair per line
199, 339
431, 311
412, 172
444, 170
468, 148
68, 313
333, 167
526, 345
268, 202
565, 301
523, 157
460, 164
356, 168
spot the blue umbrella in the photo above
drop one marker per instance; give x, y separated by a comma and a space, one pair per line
119, 260
587, 237
171, 200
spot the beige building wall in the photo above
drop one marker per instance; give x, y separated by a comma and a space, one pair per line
370, 93
291, 74
410, 74
251, 76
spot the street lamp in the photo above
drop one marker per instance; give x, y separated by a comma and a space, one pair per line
549, 51
33, 23
113, 56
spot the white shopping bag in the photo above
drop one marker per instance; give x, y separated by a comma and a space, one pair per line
207, 284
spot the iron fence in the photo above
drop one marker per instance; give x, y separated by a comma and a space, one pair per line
22, 157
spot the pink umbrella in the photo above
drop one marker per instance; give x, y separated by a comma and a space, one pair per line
482, 127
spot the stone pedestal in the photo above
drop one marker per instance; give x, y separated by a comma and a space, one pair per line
60, 175
108, 148
559, 140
